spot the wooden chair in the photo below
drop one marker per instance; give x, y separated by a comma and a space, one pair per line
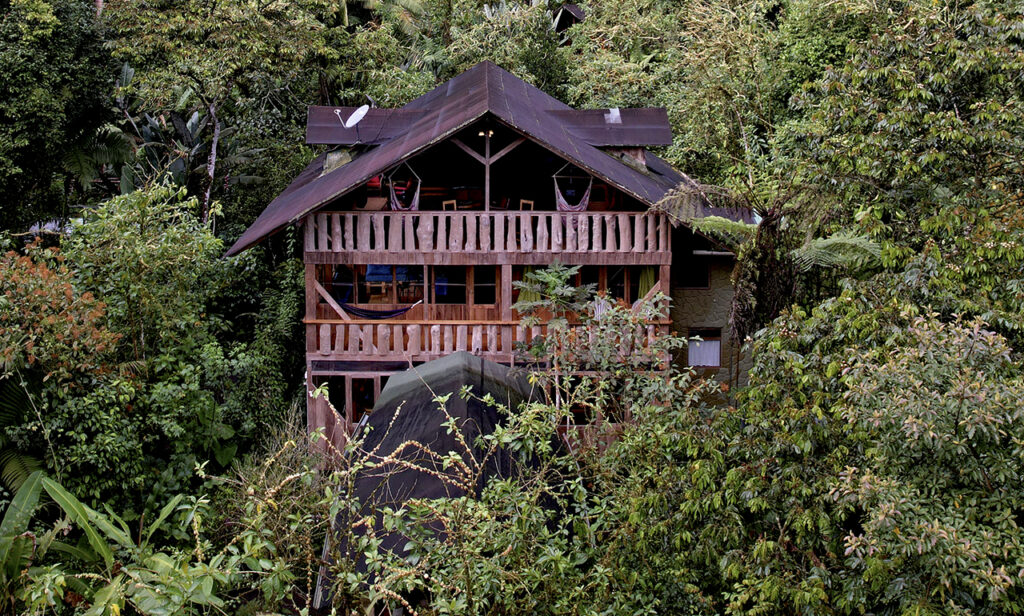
525, 204
449, 204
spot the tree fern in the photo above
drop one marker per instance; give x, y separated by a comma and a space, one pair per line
691, 203
841, 250
15, 466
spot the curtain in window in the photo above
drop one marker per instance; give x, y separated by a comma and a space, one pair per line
528, 295
705, 353
647, 279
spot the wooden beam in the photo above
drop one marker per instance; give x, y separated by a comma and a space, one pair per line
330, 300
508, 148
470, 151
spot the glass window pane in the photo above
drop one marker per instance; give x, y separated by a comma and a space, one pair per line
485, 288
450, 285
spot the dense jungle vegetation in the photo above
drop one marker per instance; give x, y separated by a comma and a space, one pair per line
152, 453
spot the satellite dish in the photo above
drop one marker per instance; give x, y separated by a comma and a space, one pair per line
353, 119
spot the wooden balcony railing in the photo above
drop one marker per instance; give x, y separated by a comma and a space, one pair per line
417, 341
638, 237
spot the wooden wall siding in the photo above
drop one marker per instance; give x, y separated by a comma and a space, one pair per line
375, 341
439, 238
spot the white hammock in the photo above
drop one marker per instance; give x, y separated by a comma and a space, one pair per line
561, 203
414, 203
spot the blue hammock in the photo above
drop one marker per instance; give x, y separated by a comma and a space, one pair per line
363, 313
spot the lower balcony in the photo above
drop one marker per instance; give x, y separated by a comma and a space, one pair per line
346, 346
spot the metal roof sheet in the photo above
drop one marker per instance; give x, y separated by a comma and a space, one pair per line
447, 109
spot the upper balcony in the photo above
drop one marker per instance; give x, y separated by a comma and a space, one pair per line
487, 237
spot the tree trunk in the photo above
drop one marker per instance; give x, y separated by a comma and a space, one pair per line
211, 163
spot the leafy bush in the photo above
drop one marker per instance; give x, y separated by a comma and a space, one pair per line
137, 378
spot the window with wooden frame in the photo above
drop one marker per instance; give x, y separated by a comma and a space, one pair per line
383, 284
485, 285
704, 348
448, 285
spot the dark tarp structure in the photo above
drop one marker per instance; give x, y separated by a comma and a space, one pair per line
407, 412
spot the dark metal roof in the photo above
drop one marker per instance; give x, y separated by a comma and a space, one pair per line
447, 109
568, 16
323, 125
575, 11
618, 127
646, 126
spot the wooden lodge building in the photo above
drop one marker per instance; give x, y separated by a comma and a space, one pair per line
420, 219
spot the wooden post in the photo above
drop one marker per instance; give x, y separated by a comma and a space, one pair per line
506, 292
487, 169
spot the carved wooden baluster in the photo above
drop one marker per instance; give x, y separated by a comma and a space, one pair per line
409, 236
526, 232
476, 344
454, 232
571, 223
499, 232
350, 229
308, 227
414, 340
383, 339
395, 241
336, 245
398, 339
485, 232
449, 339
443, 229
324, 345
492, 338
379, 239
512, 243
640, 234
471, 222
435, 339
426, 232
652, 232
624, 228
543, 220
366, 338
557, 243
321, 231
609, 233
364, 233
353, 335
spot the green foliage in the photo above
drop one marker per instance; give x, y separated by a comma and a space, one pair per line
51, 103
130, 398
939, 489
113, 571
915, 143
148, 251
